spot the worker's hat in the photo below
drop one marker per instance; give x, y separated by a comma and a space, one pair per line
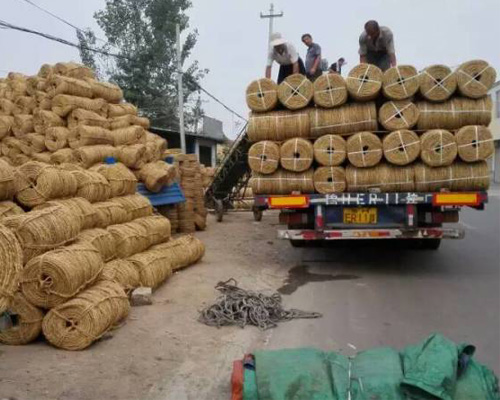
277, 39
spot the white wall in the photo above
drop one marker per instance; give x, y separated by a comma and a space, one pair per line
495, 130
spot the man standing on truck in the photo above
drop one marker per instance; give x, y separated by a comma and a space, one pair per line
376, 46
336, 67
286, 56
313, 57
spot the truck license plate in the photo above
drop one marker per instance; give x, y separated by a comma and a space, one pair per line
360, 216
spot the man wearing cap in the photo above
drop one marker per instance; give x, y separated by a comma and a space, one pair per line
313, 57
376, 46
286, 56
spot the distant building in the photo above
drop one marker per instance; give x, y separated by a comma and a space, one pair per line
495, 129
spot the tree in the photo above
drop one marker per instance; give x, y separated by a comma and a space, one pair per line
87, 41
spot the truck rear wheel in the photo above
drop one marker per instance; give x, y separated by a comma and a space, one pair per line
429, 244
298, 243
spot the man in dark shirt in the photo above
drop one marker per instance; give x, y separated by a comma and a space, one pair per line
313, 57
336, 67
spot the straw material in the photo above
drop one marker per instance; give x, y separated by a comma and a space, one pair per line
7, 183
122, 272
79, 207
131, 135
400, 82
43, 101
110, 213
401, 147
383, 177
64, 156
156, 175
91, 185
58, 84
122, 181
475, 143
283, 182
347, 119
262, 95
128, 120
264, 157
135, 205
364, 82
157, 227
56, 138
22, 125
25, 104
330, 90
296, 155
437, 83
439, 148
102, 240
45, 71
63, 104
130, 238
11, 257
170, 211
200, 222
396, 115
330, 150
117, 110
364, 149
84, 135
36, 142
9, 209
88, 156
73, 70
44, 157
6, 123
81, 116
18, 85
105, 90
28, 322
11, 147
278, 125
186, 217
153, 267
456, 177
44, 119
82, 320
295, 92
133, 156
329, 180
155, 146
183, 251
7, 107
35, 84
475, 78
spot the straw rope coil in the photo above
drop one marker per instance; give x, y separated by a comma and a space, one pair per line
36, 142
170, 211
79, 207
344, 120
186, 217
25, 104
44, 119
7, 181
283, 182
439, 148
9, 209
63, 104
89, 156
56, 138
102, 240
400, 82
130, 239
105, 90
135, 205
154, 151
58, 84
80, 116
11, 257
121, 180
295, 92
44, 157
262, 95
122, 272
183, 251
329, 180
128, 120
133, 156
158, 228
364, 149
44, 102
28, 323
264, 157
79, 322
401, 147
91, 185
475, 78
383, 177
153, 267
22, 125
437, 83
12, 147
45, 71
156, 175
396, 115
7, 107
73, 70
6, 123
330, 150
117, 110
84, 135
475, 143
364, 82
35, 84
18, 85
131, 135
64, 156
330, 90
296, 155
110, 213
200, 221
278, 125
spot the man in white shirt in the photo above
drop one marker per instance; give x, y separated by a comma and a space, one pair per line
285, 54
376, 46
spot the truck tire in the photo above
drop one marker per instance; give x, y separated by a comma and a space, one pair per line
257, 214
219, 210
298, 243
430, 244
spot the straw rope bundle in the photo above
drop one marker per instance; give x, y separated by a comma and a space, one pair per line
401, 147
12, 147
37, 182
171, 213
122, 272
329, 180
91, 185
84, 135
64, 156
437, 83
200, 222
295, 92
105, 90
400, 82
156, 175
278, 125
18, 85
131, 135
347, 119
130, 238
22, 125
88, 156
20, 159
6, 123
28, 322
133, 156
44, 119
183, 251
44, 157
44, 102
128, 120
73, 70
296, 155
9, 209
35, 84
135, 205
262, 95
364, 149
58, 84
26, 104
117, 110
82, 320
45, 71
475, 143
186, 217
364, 82
439, 148
7, 181
79, 207
396, 115
263, 157
153, 266
121, 180
457, 177
154, 151
36, 142
158, 229
383, 177
475, 78
208, 174
81, 116
330, 90
7, 107
156, 144
110, 213
330, 150
11, 257
102, 240
283, 182
63, 104
56, 138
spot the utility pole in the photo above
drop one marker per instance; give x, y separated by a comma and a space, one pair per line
271, 17
180, 89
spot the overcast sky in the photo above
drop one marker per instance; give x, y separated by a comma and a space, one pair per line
233, 38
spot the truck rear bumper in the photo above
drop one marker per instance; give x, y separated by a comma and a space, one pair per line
349, 234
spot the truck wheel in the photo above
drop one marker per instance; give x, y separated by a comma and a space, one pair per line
257, 214
298, 243
219, 210
430, 244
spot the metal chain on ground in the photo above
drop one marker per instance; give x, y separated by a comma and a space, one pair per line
237, 306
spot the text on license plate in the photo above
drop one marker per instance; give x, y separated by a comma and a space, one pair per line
361, 216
